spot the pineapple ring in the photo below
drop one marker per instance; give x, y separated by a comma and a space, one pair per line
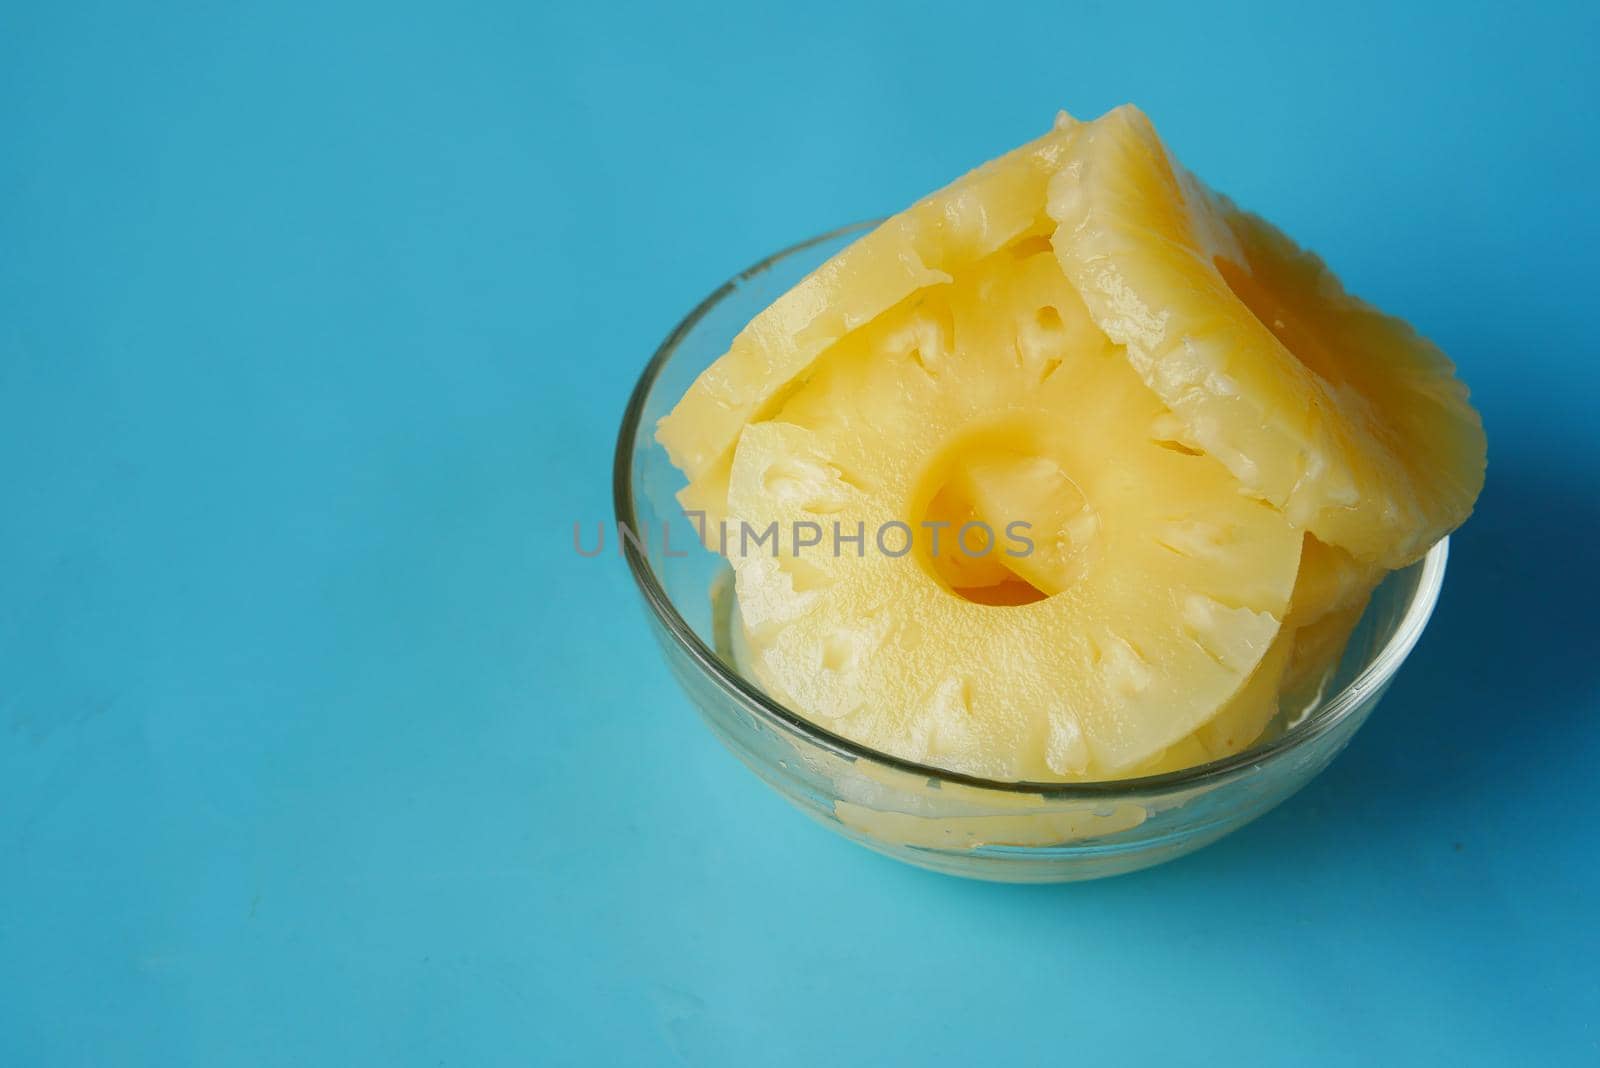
1171, 606
1342, 416
1330, 595
995, 205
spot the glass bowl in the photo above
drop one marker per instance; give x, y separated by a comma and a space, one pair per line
948, 822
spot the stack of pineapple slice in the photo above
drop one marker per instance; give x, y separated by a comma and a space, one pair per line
1214, 452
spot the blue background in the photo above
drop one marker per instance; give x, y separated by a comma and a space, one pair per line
319, 745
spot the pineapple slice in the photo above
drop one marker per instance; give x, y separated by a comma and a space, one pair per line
1165, 586
1318, 649
1236, 724
1330, 594
1318, 403
996, 205
1330, 580
1293, 674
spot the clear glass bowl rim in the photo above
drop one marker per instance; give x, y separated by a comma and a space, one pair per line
1374, 675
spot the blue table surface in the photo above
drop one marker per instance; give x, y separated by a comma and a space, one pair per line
318, 744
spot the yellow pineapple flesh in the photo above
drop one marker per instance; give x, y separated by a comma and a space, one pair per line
1214, 452
1342, 416
1174, 583
1000, 203
1330, 593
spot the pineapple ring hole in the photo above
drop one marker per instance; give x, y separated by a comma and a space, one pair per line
966, 553
964, 522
